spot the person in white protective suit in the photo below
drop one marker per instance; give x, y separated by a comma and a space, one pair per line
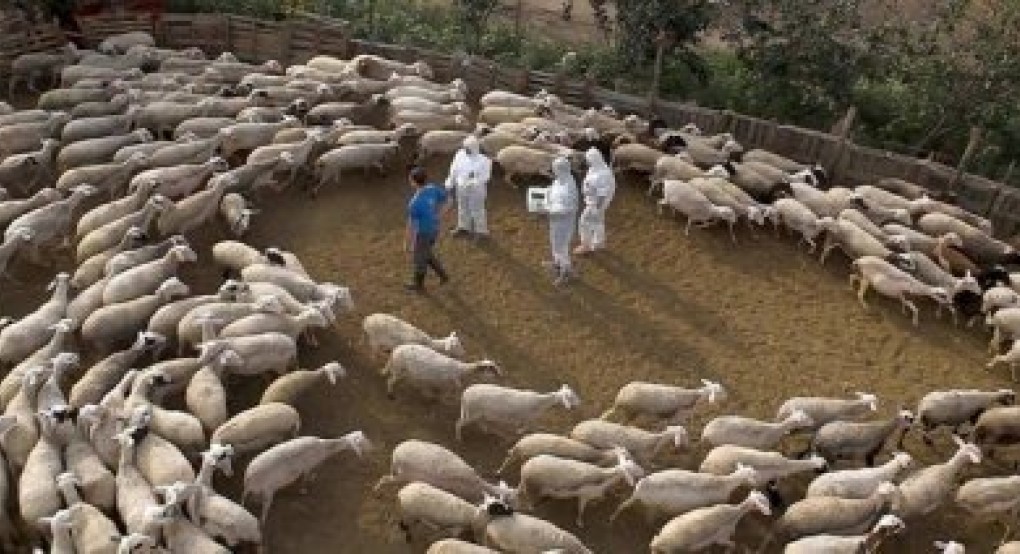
597, 189
469, 178
561, 204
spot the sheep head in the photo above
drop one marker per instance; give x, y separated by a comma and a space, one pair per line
333, 372
759, 502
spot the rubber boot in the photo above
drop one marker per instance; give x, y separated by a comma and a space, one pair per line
418, 285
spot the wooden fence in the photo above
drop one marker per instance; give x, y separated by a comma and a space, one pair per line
298, 39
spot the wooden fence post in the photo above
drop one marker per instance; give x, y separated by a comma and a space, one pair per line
973, 141
842, 130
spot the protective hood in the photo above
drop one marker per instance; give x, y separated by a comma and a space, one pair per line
561, 169
471, 145
594, 159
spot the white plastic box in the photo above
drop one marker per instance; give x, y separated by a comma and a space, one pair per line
537, 199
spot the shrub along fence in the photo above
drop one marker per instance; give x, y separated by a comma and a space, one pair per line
298, 39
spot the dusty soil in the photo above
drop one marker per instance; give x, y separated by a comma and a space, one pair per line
761, 317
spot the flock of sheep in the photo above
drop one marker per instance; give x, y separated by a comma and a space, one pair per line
141, 146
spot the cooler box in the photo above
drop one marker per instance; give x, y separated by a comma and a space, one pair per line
537, 197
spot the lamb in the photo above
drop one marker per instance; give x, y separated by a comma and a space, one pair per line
705, 527
537, 444
508, 531
422, 504
425, 121
261, 353
330, 165
893, 282
978, 245
258, 427
295, 459
550, 476
106, 373
415, 460
98, 150
834, 516
674, 491
823, 410
26, 335
667, 403
685, 198
953, 408
114, 324
859, 483
427, 369
925, 490
886, 526
762, 435
509, 410
287, 388
644, 445
847, 439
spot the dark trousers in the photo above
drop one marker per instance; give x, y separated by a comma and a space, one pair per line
424, 257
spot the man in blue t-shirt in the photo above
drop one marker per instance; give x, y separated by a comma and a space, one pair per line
423, 213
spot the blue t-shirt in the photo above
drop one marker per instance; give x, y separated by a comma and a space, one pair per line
423, 209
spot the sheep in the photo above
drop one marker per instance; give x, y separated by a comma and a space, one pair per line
234, 256
824, 410
31, 66
58, 344
676, 168
425, 121
134, 494
518, 160
163, 117
299, 286
771, 466
98, 150
422, 504
977, 244
953, 408
509, 410
206, 396
96, 127
508, 531
191, 326
999, 297
675, 491
862, 221
644, 445
38, 495
114, 324
68, 97
848, 439
179, 181
705, 527
249, 136
550, 476
50, 396
129, 259
833, 515
893, 282
111, 178
378, 67
186, 152
385, 332
685, 198
371, 136
900, 187
92, 269
26, 335
330, 165
759, 187
456, 546
859, 483
930, 205
775, 160
441, 143
1012, 547
415, 460
147, 277
252, 176
426, 368
149, 148
299, 153
12, 209
287, 388
455, 93
172, 429
925, 490
193, 211
90, 528
203, 127
298, 458
798, 217
662, 403
886, 526
256, 428
508, 99
123, 42
990, 496
59, 526
636, 157
218, 516
234, 209
536, 444
762, 435
341, 114
23, 172
261, 353
11, 246
97, 483
302, 324
106, 373
20, 421
86, 302
996, 426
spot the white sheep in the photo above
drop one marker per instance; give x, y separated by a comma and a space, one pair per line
886, 526
22, 432
415, 460
260, 353
115, 324
859, 483
26, 335
833, 515
52, 223
109, 234
180, 430
644, 445
38, 496
299, 286
287, 388
147, 277
206, 395
509, 411
11, 209
676, 491
303, 324
90, 528
771, 466
925, 490
426, 369
850, 239
298, 458
752, 433
235, 210
256, 428
705, 527
516, 160
194, 211
330, 165
129, 259
508, 531
889, 280
98, 150
422, 504
662, 403
113, 210
823, 410
684, 198
536, 444
551, 476
954, 408
385, 332
425, 121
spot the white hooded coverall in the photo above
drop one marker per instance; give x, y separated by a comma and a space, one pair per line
598, 188
562, 201
469, 175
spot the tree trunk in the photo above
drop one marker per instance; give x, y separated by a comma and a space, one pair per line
518, 16
653, 93
972, 145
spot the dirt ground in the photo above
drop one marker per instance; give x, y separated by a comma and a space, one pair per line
761, 317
